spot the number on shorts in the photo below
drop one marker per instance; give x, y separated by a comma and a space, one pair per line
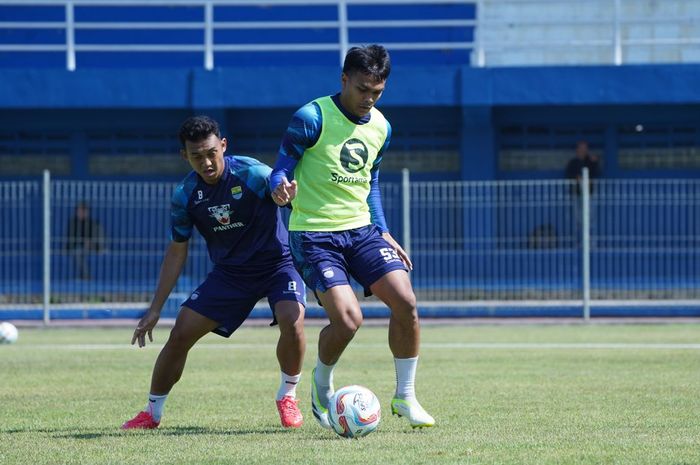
389, 254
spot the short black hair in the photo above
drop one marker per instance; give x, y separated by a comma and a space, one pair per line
197, 128
372, 60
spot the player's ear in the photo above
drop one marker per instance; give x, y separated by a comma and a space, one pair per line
224, 144
183, 154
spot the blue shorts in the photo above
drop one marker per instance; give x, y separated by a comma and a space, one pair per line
327, 259
228, 296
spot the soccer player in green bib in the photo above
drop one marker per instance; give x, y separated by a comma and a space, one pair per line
328, 168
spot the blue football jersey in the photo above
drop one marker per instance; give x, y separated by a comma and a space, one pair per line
240, 223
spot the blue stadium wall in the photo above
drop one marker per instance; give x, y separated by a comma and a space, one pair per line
450, 120
467, 119
445, 108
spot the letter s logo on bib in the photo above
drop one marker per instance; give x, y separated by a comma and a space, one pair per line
353, 155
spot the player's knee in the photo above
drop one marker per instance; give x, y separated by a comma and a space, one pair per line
410, 301
405, 308
180, 339
290, 318
345, 332
406, 303
293, 334
349, 323
292, 326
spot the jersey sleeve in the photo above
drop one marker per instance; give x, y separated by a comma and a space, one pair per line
180, 222
255, 174
374, 199
303, 132
385, 147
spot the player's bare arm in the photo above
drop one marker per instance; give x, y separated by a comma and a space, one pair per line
173, 262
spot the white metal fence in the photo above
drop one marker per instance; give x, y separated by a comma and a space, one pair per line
514, 244
502, 32
348, 31
502, 247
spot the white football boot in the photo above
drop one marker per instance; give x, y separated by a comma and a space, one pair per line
320, 412
411, 409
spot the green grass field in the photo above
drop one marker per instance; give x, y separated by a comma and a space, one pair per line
528, 394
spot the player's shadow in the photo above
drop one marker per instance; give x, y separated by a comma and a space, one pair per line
166, 431
176, 431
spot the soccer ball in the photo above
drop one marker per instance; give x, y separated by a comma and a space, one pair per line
8, 333
354, 411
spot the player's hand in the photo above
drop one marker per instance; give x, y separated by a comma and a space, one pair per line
284, 192
399, 250
145, 326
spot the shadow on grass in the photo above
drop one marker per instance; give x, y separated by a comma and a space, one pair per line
166, 431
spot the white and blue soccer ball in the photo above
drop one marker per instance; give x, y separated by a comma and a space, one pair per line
8, 333
354, 411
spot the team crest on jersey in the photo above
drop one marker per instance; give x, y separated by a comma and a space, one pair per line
237, 192
222, 213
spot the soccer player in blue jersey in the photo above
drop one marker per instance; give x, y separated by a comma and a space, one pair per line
328, 168
228, 200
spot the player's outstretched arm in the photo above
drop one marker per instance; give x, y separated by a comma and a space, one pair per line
399, 250
170, 269
285, 192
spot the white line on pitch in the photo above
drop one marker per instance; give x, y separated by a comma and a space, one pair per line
425, 345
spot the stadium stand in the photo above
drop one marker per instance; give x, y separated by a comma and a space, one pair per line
481, 92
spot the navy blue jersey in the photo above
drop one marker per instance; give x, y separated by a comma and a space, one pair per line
240, 223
